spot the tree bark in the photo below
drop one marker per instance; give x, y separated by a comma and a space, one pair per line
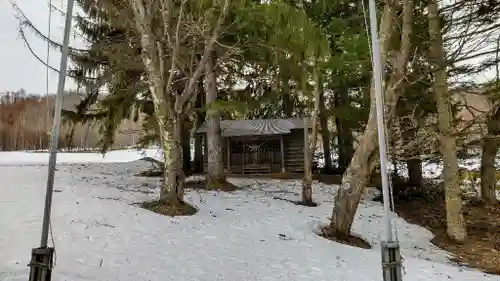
414, 167
215, 175
454, 217
173, 188
307, 181
345, 140
186, 147
170, 107
200, 118
488, 171
358, 173
310, 145
414, 164
325, 133
287, 101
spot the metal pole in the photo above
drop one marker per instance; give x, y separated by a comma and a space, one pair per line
56, 126
377, 77
391, 256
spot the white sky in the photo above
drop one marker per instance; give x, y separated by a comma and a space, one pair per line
19, 69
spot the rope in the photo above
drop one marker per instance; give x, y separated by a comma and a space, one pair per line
48, 117
391, 196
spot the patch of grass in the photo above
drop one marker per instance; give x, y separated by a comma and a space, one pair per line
169, 209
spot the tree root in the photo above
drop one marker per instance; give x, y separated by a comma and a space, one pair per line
297, 202
329, 233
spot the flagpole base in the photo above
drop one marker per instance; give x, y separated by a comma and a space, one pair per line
391, 261
41, 264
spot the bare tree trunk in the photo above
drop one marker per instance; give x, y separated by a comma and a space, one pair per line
200, 118
454, 216
414, 164
169, 107
345, 140
414, 167
358, 173
287, 101
325, 133
215, 175
488, 170
307, 181
70, 136
172, 192
186, 147
309, 149
169, 124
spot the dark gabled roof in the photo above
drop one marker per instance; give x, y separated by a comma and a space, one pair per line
258, 127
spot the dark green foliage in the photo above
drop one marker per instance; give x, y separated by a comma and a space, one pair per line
111, 63
259, 33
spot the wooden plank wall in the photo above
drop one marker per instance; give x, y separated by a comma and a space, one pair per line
294, 151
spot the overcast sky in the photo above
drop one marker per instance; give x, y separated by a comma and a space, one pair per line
19, 69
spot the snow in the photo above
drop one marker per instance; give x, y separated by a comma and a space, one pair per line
245, 235
20, 157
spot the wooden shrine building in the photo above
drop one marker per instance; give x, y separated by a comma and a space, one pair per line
260, 146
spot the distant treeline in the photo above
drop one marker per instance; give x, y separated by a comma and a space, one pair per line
26, 121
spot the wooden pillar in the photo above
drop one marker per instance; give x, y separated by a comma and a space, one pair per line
282, 148
228, 144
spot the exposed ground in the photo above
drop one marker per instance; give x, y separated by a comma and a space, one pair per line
481, 250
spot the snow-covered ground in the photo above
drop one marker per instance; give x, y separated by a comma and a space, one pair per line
246, 235
40, 158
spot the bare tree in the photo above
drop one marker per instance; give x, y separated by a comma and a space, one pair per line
165, 28
215, 173
454, 217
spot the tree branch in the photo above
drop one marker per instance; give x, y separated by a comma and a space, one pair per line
188, 90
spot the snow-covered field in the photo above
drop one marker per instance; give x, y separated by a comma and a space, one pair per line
246, 235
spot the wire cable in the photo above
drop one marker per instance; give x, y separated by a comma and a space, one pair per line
47, 82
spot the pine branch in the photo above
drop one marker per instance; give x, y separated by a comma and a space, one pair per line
24, 21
